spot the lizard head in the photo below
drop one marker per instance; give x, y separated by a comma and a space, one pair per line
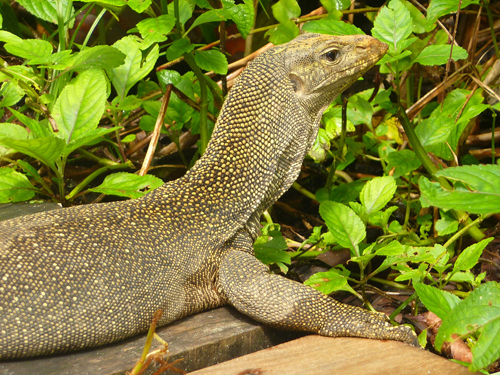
321, 66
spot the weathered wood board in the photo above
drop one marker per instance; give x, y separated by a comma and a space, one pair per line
202, 340
344, 356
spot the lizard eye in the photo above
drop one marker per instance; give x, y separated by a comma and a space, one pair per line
331, 55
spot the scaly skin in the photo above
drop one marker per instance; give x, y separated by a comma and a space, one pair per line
90, 275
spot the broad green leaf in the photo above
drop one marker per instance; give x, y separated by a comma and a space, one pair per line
438, 301
81, 105
242, 14
284, 33
10, 94
345, 225
139, 5
392, 249
213, 15
331, 27
285, 10
7, 37
14, 186
155, 29
484, 178
38, 128
30, 49
177, 49
404, 161
438, 8
446, 225
482, 196
480, 311
359, 110
272, 251
185, 10
435, 130
8, 130
349, 192
30, 170
135, 67
211, 61
86, 138
333, 5
393, 25
46, 149
377, 193
47, 9
469, 257
439, 54
99, 57
330, 281
419, 22
128, 185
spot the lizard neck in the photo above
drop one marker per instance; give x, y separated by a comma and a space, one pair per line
257, 147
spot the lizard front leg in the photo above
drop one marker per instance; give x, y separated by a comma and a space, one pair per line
286, 304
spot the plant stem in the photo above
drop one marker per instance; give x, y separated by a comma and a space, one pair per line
303, 191
96, 173
462, 216
90, 156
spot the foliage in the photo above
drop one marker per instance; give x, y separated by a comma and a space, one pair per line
68, 103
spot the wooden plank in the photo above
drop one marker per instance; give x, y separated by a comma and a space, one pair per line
325, 356
202, 340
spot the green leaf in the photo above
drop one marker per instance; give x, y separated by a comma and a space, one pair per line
439, 54
211, 61
37, 128
139, 5
438, 301
128, 185
135, 67
47, 9
481, 197
14, 186
81, 104
99, 57
404, 161
87, 138
46, 149
178, 48
446, 225
30, 49
419, 22
377, 193
343, 223
8, 130
480, 311
155, 29
469, 257
272, 251
359, 110
10, 94
284, 33
330, 281
331, 27
7, 37
242, 14
185, 10
438, 8
393, 25
213, 15
285, 10
333, 5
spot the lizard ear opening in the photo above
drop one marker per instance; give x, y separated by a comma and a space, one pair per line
297, 83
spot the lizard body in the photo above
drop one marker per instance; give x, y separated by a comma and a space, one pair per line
90, 275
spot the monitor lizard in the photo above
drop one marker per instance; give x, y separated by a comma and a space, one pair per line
90, 275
